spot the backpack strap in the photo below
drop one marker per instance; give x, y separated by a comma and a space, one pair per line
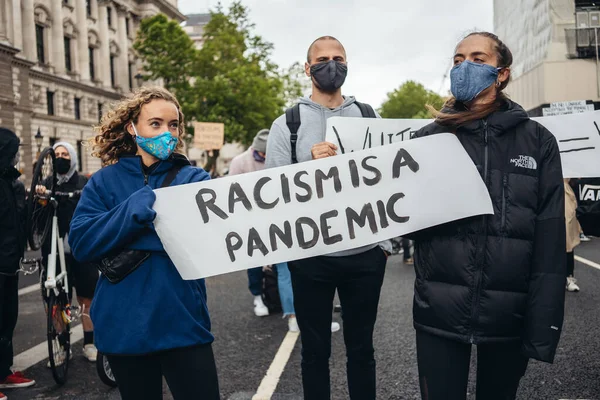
366, 110
292, 120
171, 176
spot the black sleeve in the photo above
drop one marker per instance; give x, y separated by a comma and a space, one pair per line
546, 296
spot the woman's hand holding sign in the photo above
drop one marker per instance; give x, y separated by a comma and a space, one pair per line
323, 150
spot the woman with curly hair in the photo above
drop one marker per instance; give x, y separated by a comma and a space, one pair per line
148, 320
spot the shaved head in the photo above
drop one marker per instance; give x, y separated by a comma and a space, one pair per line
309, 53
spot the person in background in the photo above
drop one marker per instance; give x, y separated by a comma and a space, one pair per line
12, 248
573, 238
253, 160
83, 276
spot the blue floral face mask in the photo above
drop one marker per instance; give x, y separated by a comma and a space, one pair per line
161, 146
469, 79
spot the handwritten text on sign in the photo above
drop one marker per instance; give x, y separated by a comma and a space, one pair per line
578, 137
316, 208
209, 135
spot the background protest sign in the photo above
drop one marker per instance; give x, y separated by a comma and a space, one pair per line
578, 137
319, 207
209, 135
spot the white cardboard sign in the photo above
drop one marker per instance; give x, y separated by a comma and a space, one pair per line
578, 137
319, 207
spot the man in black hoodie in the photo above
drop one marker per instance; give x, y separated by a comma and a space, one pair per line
12, 247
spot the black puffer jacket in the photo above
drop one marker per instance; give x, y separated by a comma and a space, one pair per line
499, 277
12, 238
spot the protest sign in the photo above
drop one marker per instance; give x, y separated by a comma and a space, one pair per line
209, 135
567, 107
578, 137
319, 207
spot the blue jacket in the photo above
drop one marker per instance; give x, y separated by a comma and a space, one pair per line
152, 309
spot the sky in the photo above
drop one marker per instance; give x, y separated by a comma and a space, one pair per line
388, 42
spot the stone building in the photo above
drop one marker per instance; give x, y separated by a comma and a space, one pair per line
555, 50
62, 62
194, 27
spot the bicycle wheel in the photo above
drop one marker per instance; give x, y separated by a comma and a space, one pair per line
104, 371
59, 336
39, 211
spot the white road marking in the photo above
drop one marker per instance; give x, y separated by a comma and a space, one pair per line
587, 262
29, 289
36, 354
269, 383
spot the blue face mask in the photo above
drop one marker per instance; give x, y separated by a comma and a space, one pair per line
161, 146
469, 79
258, 157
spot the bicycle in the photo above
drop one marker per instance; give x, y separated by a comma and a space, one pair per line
42, 220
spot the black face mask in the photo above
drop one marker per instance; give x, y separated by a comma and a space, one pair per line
329, 76
62, 165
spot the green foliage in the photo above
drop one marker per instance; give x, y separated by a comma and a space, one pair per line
167, 51
409, 101
231, 79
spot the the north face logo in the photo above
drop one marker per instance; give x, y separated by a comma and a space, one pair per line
524, 162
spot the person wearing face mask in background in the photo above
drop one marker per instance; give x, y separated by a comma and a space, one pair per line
357, 274
12, 248
148, 320
253, 160
82, 276
494, 281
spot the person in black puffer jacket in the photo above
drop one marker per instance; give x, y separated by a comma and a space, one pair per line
495, 281
12, 248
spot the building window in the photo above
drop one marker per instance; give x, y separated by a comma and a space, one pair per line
68, 65
92, 63
80, 155
130, 76
99, 112
112, 70
53, 141
50, 102
88, 7
127, 26
109, 16
39, 38
77, 107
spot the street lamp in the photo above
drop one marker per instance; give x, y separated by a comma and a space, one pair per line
38, 141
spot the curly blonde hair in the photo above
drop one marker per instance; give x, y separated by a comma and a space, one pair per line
113, 141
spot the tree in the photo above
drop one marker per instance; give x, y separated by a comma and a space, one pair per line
167, 51
232, 79
409, 101
239, 84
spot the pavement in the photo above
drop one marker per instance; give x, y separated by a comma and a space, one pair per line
246, 345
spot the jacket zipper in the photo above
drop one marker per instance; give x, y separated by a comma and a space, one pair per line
504, 185
481, 258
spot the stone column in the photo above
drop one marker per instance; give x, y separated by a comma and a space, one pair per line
28, 24
123, 60
104, 59
18, 32
82, 41
58, 39
4, 18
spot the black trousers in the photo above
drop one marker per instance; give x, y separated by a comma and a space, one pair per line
190, 372
358, 280
406, 248
444, 369
9, 310
571, 264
